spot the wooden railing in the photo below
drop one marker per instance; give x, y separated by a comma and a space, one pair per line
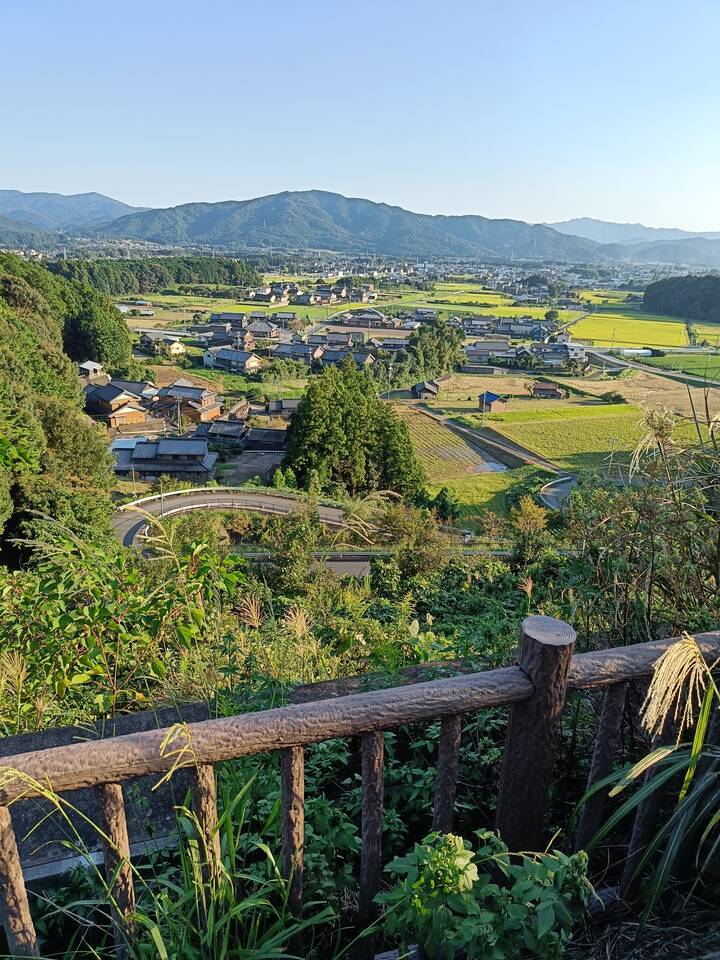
534, 688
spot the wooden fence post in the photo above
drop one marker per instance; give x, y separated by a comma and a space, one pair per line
203, 790
118, 870
292, 767
544, 655
14, 907
373, 752
607, 746
447, 772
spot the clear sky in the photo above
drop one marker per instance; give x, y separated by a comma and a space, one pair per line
515, 108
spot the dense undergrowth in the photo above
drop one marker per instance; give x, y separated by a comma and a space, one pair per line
90, 629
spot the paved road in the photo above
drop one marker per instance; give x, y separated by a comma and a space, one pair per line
688, 378
128, 522
555, 493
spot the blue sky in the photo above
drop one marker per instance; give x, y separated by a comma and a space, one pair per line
539, 111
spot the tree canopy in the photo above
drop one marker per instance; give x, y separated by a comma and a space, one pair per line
55, 458
693, 297
153, 274
343, 439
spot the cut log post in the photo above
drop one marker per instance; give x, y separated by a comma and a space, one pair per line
372, 750
118, 869
14, 906
203, 790
607, 746
544, 656
447, 773
292, 766
645, 824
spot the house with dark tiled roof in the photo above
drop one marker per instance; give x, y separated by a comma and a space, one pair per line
198, 404
427, 390
182, 459
232, 360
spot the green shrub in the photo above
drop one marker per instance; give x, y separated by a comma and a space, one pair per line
447, 903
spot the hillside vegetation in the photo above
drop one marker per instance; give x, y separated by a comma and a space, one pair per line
53, 459
693, 297
316, 219
154, 274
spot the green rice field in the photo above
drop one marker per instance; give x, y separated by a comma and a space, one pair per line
574, 443
700, 365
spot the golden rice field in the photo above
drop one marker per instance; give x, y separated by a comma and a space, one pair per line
630, 329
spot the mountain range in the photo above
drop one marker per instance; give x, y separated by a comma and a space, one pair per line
318, 220
315, 219
55, 211
605, 231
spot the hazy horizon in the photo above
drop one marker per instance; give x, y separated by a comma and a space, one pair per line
502, 110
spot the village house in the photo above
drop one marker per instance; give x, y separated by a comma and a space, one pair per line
300, 352
481, 351
182, 459
89, 370
427, 390
425, 315
559, 354
263, 330
239, 410
392, 345
197, 404
370, 318
224, 432
267, 438
235, 361
491, 402
332, 357
157, 343
282, 407
284, 318
115, 406
304, 298
227, 316
547, 391
144, 390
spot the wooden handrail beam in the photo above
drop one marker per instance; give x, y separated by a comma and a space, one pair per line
113, 760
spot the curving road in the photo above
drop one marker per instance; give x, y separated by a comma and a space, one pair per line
128, 522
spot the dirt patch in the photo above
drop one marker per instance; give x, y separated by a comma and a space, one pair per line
248, 464
648, 390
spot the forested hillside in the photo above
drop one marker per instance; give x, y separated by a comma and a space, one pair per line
320, 220
693, 297
118, 277
54, 459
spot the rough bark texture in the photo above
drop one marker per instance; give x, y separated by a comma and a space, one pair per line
373, 750
204, 802
118, 870
544, 656
447, 773
607, 745
645, 824
14, 908
90, 763
292, 764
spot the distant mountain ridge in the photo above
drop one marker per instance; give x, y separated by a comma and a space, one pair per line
323, 221
57, 211
319, 220
18, 235
606, 231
